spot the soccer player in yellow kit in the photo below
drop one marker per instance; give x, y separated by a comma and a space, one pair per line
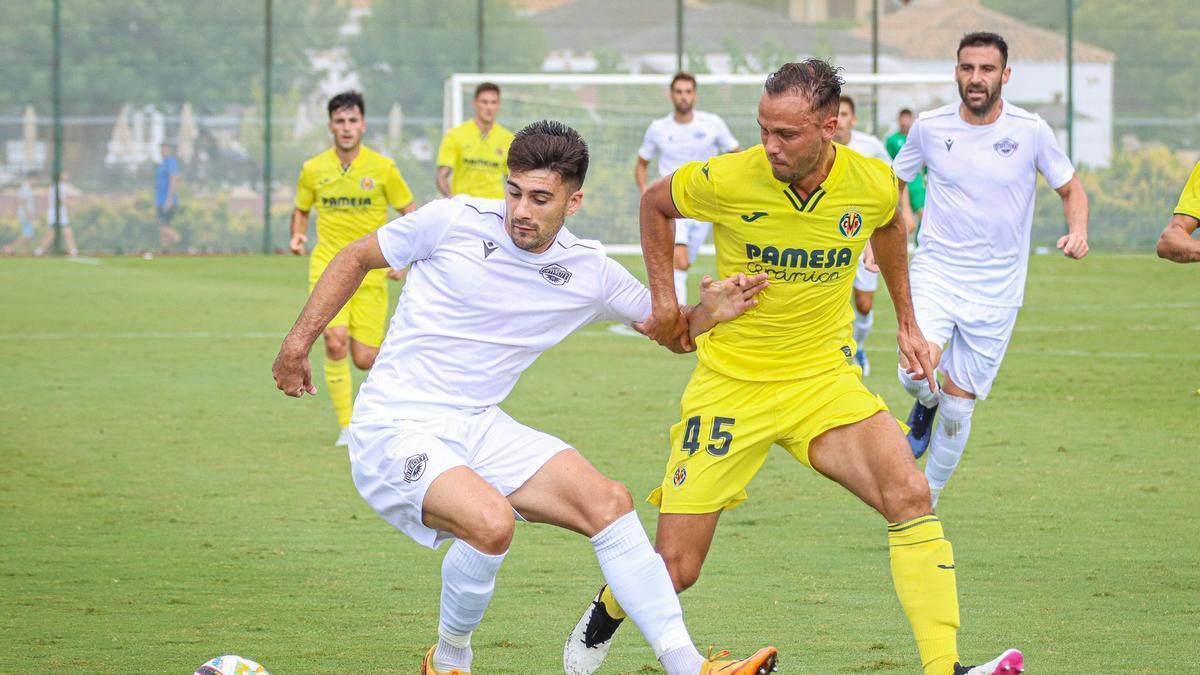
799, 208
473, 157
351, 187
1177, 242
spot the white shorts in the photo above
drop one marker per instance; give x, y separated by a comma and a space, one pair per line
394, 463
975, 336
691, 233
865, 279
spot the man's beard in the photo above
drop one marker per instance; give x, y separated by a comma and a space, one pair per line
988, 101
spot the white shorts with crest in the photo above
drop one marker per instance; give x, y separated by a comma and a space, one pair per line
393, 463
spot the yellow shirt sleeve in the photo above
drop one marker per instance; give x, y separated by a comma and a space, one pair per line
1189, 200
695, 193
893, 200
395, 189
448, 151
306, 192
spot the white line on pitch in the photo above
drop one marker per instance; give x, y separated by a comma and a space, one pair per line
151, 335
1094, 328
82, 261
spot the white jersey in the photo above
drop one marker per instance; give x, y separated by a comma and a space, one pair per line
868, 146
677, 144
476, 310
981, 181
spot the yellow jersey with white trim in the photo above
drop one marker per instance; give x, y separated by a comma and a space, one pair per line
1189, 199
808, 247
478, 163
350, 201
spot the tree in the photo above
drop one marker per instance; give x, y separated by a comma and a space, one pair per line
1155, 74
407, 50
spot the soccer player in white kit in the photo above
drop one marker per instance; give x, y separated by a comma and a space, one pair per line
493, 284
968, 273
686, 135
866, 277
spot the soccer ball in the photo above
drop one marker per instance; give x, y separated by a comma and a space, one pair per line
231, 664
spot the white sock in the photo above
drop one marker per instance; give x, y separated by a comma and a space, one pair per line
639, 580
918, 389
862, 326
682, 661
949, 439
681, 289
468, 580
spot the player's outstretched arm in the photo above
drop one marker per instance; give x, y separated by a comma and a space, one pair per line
666, 324
1074, 244
292, 371
1176, 242
720, 301
890, 244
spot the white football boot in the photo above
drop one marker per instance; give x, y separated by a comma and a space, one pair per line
588, 644
1011, 662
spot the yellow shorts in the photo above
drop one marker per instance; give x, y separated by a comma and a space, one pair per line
365, 313
728, 425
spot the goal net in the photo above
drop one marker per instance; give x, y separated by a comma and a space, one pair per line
612, 113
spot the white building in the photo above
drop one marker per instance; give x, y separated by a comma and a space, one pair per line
920, 36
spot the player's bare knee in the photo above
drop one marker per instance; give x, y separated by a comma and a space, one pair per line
363, 361
491, 530
863, 303
683, 567
906, 497
612, 502
336, 346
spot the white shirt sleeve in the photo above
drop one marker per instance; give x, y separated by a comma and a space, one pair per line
625, 298
911, 158
416, 235
649, 148
726, 141
1051, 160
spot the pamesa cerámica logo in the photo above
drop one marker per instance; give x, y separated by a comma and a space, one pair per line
818, 265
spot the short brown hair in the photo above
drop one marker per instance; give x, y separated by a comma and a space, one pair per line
487, 86
553, 146
686, 77
848, 101
816, 80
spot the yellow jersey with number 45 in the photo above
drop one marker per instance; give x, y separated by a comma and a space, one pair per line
809, 249
351, 202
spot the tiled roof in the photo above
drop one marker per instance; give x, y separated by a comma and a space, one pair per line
920, 31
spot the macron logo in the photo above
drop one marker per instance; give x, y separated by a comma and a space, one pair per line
489, 247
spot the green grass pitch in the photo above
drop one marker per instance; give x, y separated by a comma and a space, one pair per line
161, 503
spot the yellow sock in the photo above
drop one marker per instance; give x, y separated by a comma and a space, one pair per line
923, 573
341, 386
611, 606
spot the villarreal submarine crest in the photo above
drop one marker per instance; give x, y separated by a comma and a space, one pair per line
850, 224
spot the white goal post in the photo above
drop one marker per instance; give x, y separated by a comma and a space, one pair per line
612, 111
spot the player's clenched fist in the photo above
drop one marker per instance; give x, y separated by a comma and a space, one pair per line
293, 374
